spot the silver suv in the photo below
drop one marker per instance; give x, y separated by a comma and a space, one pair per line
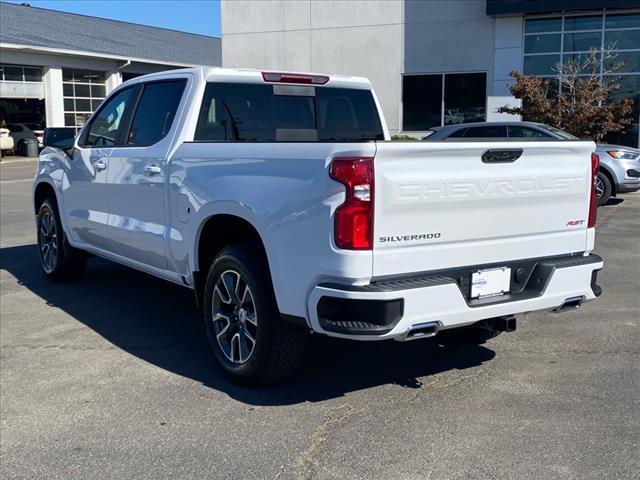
619, 166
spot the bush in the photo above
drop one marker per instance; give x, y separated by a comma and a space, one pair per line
403, 138
585, 105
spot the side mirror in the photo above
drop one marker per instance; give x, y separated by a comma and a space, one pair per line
62, 137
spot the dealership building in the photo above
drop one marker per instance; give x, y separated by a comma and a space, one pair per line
55, 67
435, 62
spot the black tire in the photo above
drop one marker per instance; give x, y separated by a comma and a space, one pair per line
604, 188
277, 347
59, 260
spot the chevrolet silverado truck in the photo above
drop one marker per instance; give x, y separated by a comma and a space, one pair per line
281, 201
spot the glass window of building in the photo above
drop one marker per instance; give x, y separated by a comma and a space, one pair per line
83, 91
550, 42
443, 99
17, 73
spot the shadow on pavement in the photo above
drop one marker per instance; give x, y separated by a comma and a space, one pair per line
158, 322
613, 201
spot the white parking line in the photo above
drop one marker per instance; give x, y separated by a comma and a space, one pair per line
19, 160
24, 180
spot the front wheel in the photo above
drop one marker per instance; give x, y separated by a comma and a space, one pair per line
246, 333
59, 260
603, 188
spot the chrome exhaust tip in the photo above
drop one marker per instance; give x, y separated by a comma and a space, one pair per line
571, 303
421, 330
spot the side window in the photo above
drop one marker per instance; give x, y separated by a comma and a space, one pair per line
155, 112
525, 132
107, 125
236, 112
459, 133
489, 131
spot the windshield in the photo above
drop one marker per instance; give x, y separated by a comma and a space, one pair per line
560, 133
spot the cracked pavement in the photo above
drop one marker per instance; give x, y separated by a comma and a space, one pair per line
111, 377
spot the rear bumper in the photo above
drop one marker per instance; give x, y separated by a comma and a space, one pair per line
390, 308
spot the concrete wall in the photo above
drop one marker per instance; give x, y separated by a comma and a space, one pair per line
508, 56
346, 37
448, 36
381, 40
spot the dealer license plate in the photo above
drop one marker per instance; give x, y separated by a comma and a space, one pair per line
486, 283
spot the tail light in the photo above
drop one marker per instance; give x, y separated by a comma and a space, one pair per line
593, 205
353, 228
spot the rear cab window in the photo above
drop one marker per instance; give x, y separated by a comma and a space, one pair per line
237, 112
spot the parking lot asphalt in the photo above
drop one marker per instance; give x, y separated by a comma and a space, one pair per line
111, 377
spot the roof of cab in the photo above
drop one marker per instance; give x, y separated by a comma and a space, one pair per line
242, 75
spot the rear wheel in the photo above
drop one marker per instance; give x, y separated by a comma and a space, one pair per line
59, 260
246, 333
603, 188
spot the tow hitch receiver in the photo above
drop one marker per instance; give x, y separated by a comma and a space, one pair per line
505, 324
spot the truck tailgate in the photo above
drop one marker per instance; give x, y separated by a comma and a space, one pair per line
441, 205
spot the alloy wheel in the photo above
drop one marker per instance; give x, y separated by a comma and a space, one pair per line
599, 187
48, 241
234, 317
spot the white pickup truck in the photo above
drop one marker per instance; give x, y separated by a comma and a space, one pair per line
281, 201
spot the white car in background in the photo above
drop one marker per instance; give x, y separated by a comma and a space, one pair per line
25, 131
6, 141
38, 131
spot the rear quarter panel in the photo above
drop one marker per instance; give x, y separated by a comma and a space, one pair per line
284, 191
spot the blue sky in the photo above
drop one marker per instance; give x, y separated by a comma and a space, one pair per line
195, 16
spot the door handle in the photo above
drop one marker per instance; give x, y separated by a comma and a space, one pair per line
152, 170
99, 166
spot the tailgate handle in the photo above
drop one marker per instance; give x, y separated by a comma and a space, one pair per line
501, 156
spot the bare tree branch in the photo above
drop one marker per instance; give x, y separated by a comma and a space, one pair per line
582, 103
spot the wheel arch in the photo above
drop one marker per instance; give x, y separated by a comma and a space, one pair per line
43, 190
609, 174
209, 241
